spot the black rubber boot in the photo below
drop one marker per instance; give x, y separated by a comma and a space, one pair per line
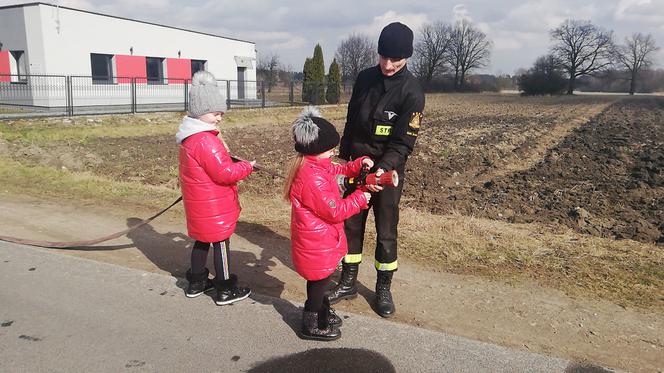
198, 283
384, 302
347, 287
228, 291
332, 317
320, 331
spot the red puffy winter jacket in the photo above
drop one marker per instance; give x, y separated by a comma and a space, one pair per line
318, 240
208, 178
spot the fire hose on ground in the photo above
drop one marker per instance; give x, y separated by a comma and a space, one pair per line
386, 179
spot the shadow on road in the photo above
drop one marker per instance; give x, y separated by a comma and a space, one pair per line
328, 360
171, 252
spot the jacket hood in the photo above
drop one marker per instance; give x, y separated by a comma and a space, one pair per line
191, 126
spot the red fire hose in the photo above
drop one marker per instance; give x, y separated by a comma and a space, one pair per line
71, 244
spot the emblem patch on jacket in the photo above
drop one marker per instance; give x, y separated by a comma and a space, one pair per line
414, 124
391, 114
332, 204
415, 121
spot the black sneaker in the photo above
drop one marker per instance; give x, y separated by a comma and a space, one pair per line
229, 292
198, 284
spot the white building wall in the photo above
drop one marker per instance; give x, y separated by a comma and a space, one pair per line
59, 41
12, 30
70, 36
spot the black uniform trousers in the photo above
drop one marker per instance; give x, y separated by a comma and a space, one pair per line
385, 206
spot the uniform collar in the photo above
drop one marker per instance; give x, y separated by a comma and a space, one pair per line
394, 80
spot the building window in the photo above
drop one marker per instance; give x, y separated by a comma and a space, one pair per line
197, 65
102, 68
155, 70
18, 67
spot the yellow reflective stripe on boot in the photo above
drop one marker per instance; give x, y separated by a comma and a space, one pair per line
353, 258
386, 266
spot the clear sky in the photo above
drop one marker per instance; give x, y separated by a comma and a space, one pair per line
291, 29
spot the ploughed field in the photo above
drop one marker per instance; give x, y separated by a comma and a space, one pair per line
593, 164
604, 177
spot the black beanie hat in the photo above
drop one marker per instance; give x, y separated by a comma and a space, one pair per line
313, 134
396, 41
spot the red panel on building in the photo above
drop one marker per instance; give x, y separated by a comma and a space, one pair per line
178, 68
130, 67
5, 69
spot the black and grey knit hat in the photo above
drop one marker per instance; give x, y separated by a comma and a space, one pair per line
312, 133
205, 96
396, 41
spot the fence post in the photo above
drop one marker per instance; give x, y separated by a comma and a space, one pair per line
228, 95
262, 94
133, 95
186, 95
68, 95
291, 93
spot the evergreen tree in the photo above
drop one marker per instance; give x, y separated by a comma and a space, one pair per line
317, 77
306, 80
333, 84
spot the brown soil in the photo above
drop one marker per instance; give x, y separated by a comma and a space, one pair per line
603, 177
606, 179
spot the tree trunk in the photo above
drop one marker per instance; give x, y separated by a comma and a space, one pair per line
456, 80
570, 85
632, 84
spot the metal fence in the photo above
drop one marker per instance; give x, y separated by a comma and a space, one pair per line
58, 95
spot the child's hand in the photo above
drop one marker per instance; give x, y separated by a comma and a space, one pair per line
252, 163
368, 195
368, 162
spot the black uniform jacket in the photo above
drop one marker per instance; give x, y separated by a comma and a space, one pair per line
384, 117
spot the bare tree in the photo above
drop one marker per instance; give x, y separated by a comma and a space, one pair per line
355, 54
431, 50
582, 49
268, 68
634, 55
469, 49
286, 74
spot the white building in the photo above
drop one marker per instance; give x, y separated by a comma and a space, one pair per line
108, 59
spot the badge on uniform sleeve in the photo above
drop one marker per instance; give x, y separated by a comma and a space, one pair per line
332, 204
414, 124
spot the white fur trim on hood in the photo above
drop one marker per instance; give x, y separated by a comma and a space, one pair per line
191, 126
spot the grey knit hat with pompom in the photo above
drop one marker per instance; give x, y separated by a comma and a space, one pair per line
312, 133
205, 96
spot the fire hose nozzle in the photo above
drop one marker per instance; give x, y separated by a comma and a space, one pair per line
386, 179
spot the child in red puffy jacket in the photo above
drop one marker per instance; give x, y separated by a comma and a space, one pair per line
318, 239
208, 179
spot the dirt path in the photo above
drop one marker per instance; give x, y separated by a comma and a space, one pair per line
522, 316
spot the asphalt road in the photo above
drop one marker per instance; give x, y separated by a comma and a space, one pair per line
64, 314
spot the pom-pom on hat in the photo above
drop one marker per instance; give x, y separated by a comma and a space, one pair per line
396, 41
312, 133
204, 95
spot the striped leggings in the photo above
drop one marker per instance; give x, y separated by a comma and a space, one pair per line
199, 254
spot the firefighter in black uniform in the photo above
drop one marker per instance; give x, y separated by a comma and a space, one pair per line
384, 116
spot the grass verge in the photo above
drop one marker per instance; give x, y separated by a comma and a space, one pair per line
627, 273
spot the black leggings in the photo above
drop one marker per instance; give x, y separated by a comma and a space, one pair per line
199, 254
316, 294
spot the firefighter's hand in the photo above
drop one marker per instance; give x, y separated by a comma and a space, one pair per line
376, 188
368, 162
368, 195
